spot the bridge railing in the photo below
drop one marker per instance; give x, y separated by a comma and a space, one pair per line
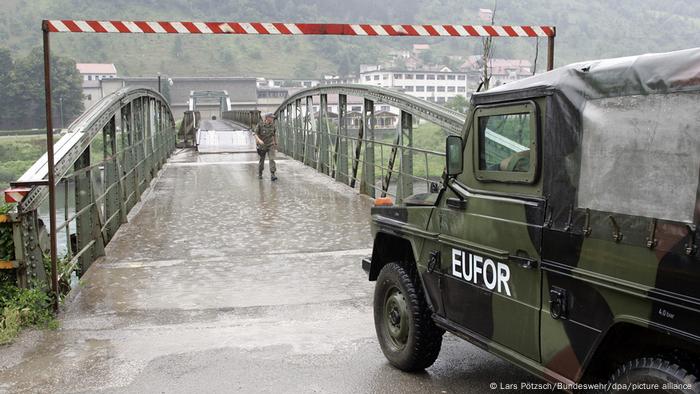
358, 150
245, 118
103, 164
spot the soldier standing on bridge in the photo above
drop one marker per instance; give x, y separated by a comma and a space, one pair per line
266, 141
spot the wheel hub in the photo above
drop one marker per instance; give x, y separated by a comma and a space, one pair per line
395, 315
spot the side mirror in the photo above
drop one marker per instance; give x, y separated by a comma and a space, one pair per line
454, 155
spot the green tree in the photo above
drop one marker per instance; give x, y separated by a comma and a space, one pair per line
458, 103
28, 101
6, 68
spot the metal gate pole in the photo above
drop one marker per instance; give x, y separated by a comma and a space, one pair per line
550, 49
50, 158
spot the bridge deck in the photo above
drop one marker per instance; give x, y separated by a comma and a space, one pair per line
222, 282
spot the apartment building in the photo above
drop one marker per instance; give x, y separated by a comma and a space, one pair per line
437, 86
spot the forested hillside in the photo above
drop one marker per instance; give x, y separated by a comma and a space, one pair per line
586, 29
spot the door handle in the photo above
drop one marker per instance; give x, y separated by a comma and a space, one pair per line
524, 261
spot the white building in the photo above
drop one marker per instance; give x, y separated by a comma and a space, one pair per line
436, 86
336, 80
293, 83
92, 74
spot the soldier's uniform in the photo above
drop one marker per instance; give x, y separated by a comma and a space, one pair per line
266, 132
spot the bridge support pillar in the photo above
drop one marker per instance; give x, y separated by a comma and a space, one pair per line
140, 146
28, 251
323, 135
306, 153
88, 232
341, 145
112, 184
289, 129
150, 152
298, 135
367, 185
405, 181
125, 161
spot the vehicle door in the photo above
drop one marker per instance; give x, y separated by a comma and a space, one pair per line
490, 222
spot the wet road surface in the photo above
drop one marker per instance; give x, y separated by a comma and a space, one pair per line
221, 282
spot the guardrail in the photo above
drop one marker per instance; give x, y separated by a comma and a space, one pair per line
396, 168
107, 159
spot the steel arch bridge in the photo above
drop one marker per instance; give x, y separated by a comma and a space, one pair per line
108, 158
317, 140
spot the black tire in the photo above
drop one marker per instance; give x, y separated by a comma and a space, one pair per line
409, 338
655, 371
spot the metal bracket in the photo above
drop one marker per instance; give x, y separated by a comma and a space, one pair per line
569, 220
616, 234
587, 224
548, 218
691, 247
651, 238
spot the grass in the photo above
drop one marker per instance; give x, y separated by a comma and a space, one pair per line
23, 308
17, 154
10, 324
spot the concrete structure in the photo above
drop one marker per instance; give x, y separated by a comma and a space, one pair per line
92, 74
242, 91
269, 98
437, 86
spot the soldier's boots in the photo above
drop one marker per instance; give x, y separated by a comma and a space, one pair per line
274, 177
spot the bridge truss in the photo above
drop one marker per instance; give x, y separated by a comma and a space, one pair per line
103, 164
325, 143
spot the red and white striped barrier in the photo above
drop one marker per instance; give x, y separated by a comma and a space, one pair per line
16, 194
85, 26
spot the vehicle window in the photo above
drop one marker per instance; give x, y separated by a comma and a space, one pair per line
505, 147
504, 142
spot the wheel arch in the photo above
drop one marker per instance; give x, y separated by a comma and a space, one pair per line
625, 340
389, 248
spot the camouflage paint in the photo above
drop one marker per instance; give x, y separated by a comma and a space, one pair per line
615, 268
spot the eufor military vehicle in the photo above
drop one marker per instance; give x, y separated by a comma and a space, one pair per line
564, 237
